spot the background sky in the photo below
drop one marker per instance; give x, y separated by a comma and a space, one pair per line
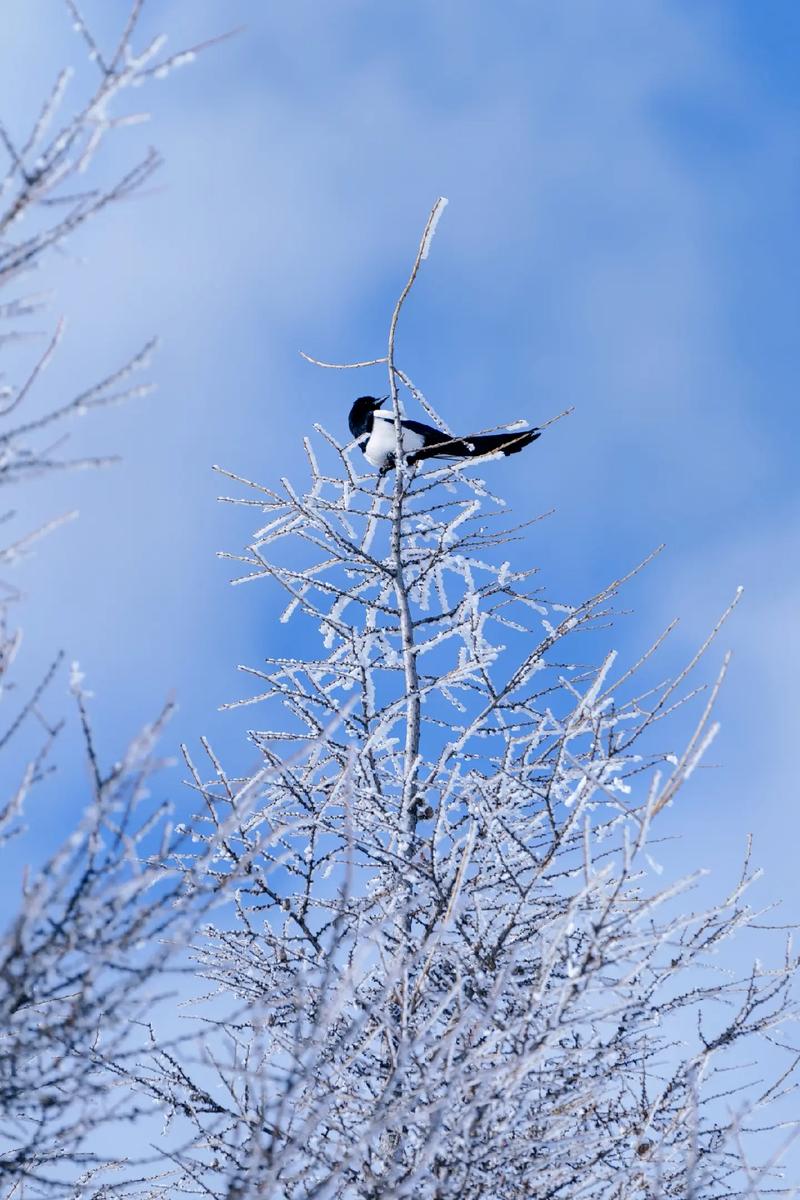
621, 236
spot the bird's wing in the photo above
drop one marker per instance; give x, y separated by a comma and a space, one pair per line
416, 437
431, 435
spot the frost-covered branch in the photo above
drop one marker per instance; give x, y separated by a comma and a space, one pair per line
450, 966
85, 946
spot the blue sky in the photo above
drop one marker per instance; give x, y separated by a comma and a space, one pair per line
621, 236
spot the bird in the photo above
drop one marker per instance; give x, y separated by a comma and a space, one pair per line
374, 432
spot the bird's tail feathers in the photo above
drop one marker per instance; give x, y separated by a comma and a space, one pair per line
475, 447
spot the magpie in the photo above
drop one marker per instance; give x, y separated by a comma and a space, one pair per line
375, 433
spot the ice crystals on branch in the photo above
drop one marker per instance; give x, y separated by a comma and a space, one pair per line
470, 987
430, 229
87, 946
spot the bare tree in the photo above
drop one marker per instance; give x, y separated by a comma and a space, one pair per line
78, 958
442, 963
448, 966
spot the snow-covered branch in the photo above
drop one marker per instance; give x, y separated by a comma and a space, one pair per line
451, 967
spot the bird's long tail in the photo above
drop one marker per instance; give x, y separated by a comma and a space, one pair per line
474, 447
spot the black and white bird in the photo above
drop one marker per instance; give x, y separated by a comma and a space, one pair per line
375, 433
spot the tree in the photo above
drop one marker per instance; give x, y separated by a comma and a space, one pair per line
441, 963
442, 967
81, 957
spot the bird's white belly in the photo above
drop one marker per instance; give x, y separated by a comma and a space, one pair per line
381, 443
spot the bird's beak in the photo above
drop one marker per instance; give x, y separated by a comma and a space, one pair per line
381, 400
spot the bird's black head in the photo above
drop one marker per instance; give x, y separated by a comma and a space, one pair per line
362, 410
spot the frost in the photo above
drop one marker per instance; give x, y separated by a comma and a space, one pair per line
441, 205
654, 866
426, 947
76, 676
